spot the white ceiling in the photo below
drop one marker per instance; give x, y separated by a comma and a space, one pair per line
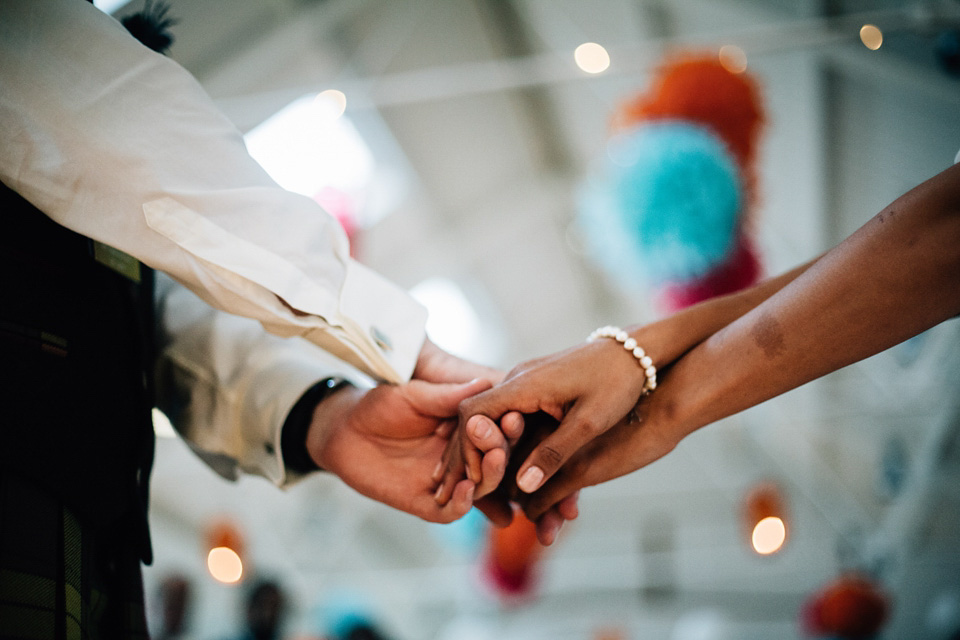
477, 103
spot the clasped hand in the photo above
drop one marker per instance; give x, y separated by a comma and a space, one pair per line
567, 421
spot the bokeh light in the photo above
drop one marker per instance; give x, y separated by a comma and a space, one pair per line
331, 103
591, 57
224, 564
733, 58
871, 37
769, 535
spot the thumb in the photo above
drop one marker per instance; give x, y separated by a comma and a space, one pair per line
442, 399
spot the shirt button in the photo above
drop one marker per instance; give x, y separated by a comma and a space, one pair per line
381, 339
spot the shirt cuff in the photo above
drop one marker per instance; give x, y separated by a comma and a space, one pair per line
383, 326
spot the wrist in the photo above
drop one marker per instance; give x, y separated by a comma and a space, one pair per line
687, 400
669, 338
329, 415
623, 338
300, 422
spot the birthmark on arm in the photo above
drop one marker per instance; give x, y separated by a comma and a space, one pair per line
768, 335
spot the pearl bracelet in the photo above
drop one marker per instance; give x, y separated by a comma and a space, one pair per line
634, 349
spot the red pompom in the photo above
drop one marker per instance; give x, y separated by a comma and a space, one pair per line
698, 89
850, 607
511, 561
741, 270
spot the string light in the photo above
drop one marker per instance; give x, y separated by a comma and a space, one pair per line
224, 564
871, 37
591, 57
769, 535
733, 58
225, 558
765, 518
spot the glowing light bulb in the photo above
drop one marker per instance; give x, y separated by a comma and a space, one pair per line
769, 535
224, 564
871, 37
591, 57
733, 58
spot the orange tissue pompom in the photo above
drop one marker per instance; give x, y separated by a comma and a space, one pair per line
698, 89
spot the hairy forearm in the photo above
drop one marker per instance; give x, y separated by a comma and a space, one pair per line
894, 278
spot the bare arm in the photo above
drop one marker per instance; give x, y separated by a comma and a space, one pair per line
895, 277
588, 387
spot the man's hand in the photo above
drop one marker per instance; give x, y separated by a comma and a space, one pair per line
486, 452
436, 365
387, 441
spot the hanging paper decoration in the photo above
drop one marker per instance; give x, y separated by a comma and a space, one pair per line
511, 561
672, 194
698, 89
670, 204
739, 271
465, 536
852, 607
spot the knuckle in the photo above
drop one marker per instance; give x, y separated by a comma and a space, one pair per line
466, 408
588, 427
550, 456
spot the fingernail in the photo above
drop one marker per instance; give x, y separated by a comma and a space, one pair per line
555, 532
481, 428
530, 479
437, 471
436, 495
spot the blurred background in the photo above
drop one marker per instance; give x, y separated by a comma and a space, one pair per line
455, 140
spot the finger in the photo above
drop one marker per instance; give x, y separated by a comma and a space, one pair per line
497, 509
471, 459
460, 503
493, 467
569, 508
512, 395
452, 471
579, 426
445, 430
511, 424
484, 434
562, 491
447, 472
442, 399
548, 526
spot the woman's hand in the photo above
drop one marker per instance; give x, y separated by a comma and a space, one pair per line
586, 390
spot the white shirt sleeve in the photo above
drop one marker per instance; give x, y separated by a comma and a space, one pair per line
228, 385
123, 145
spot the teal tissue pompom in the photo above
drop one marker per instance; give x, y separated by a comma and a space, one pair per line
665, 204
